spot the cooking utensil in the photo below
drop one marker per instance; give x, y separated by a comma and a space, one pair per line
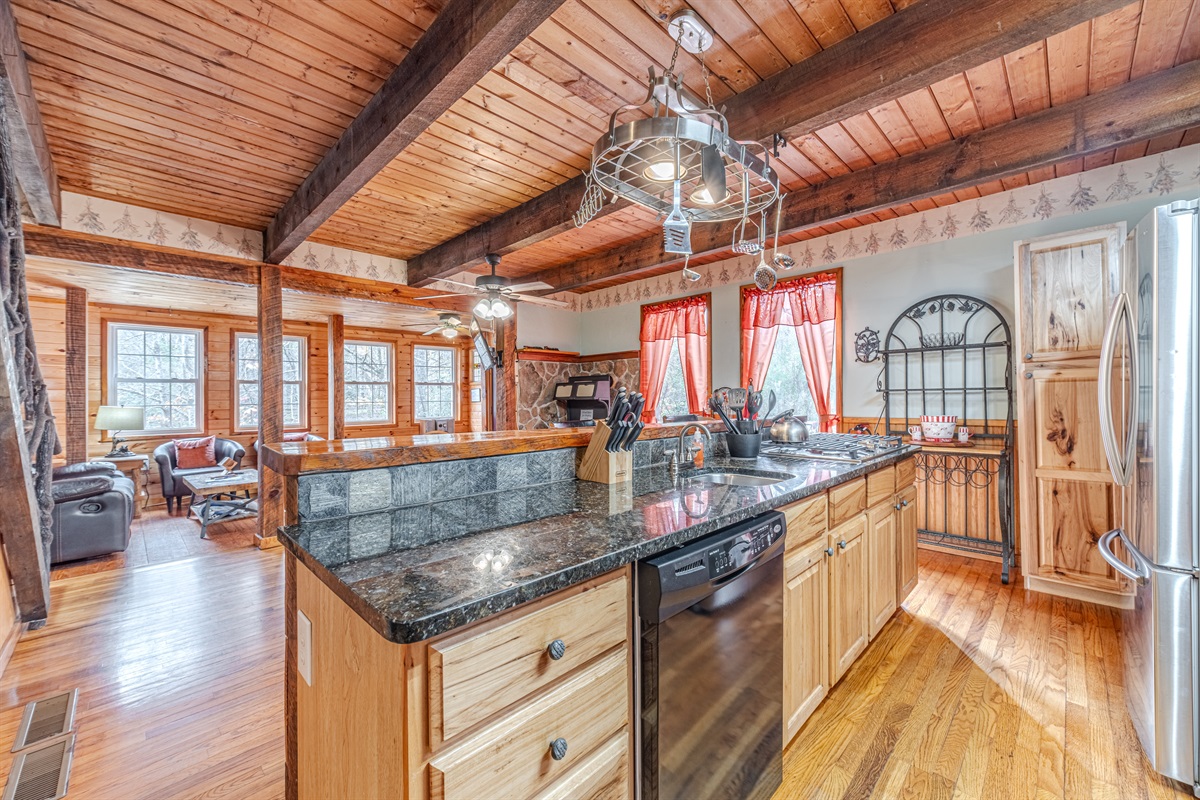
720, 411
764, 274
741, 244
770, 406
688, 272
753, 404
790, 430
612, 406
737, 401
677, 227
616, 425
636, 425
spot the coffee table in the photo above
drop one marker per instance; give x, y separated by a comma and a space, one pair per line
223, 497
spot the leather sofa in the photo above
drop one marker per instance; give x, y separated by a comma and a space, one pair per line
93, 511
173, 488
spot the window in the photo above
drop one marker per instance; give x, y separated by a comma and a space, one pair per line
160, 370
248, 370
675, 357
434, 385
786, 375
368, 373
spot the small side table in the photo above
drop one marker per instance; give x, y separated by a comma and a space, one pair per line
138, 469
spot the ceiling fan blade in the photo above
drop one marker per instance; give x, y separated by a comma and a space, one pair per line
533, 286
440, 296
540, 301
432, 331
456, 283
712, 173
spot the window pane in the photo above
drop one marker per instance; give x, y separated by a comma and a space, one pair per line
291, 404
159, 371
130, 341
674, 395
247, 347
130, 366
131, 393
787, 378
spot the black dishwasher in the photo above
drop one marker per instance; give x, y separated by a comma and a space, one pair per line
711, 665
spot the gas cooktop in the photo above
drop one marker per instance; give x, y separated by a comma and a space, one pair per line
851, 447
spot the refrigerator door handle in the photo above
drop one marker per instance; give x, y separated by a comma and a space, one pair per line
1119, 464
1139, 575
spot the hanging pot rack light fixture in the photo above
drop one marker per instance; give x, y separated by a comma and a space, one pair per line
679, 159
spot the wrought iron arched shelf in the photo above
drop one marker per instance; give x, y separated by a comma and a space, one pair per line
952, 354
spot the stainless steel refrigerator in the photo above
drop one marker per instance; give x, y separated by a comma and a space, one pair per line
1149, 391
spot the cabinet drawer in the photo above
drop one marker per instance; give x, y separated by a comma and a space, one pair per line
586, 710
906, 473
881, 486
604, 775
847, 501
474, 675
798, 561
807, 520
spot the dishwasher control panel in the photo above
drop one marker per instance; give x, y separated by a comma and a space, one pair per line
733, 554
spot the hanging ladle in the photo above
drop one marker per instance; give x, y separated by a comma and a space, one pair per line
781, 260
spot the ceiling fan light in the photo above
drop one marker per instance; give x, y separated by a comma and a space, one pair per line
500, 309
484, 309
450, 333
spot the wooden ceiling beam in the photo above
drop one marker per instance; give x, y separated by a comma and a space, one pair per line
1161, 103
466, 40
106, 251
914, 48
34, 166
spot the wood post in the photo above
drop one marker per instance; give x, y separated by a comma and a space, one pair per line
20, 514
505, 375
271, 496
76, 378
337, 376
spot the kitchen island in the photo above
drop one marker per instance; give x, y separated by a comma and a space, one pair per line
464, 628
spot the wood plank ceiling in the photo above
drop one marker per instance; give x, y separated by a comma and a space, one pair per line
219, 109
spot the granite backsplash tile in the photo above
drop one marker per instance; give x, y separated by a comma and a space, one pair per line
334, 495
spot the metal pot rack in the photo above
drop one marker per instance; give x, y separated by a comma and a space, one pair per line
952, 354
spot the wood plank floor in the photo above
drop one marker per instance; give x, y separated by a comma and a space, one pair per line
973, 690
978, 690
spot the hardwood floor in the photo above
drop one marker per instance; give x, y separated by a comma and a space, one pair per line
160, 538
978, 690
973, 690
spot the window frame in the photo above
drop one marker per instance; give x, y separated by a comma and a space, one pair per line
303, 383
390, 348
109, 364
455, 381
839, 375
707, 296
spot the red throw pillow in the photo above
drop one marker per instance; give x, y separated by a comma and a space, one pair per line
302, 436
196, 453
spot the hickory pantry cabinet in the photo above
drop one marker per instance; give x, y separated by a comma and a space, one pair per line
851, 560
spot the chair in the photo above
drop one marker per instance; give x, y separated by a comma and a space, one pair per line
173, 487
93, 511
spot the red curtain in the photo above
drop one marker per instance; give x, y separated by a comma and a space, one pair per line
684, 322
813, 302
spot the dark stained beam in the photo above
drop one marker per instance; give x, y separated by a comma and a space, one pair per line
336, 384
76, 425
34, 166
1134, 112
106, 251
466, 40
914, 48
504, 377
1159, 103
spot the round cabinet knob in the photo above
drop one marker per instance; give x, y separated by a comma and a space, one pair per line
1028, 375
829, 551
558, 749
897, 506
556, 649
904, 503
842, 544
1029, 356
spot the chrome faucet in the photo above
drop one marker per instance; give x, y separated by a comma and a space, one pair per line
687, 453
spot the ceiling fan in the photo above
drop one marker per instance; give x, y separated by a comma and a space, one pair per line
496, 292
449, 326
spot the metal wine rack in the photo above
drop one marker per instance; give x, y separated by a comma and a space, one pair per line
952, 354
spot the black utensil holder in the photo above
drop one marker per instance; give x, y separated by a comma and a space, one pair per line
743, 445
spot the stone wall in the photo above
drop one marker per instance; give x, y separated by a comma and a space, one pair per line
536, 406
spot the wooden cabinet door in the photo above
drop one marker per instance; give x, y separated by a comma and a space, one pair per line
848, 619
805, 635
1066, 285
1070, 500
906, 543
881, 565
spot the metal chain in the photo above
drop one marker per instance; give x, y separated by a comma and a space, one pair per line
707, 85
674, 57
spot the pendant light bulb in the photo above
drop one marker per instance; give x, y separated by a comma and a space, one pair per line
450, 333
483, 309
500, 309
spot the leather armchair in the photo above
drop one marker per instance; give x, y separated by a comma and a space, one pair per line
173, 488
93, 511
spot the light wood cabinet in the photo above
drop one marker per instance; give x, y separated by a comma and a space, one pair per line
847, 501
806, 634
807, 521
1066, 285
849, 623
906, 543
881, 564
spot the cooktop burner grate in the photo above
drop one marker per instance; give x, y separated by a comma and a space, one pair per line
850, 447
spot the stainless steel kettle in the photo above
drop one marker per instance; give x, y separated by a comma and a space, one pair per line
790, 430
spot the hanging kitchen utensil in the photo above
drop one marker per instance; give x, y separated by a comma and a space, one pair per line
764, 274
677, 227
741, 244
780, 260
688, 272
712, 173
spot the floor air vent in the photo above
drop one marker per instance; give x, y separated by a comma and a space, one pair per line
41, 772
46, 718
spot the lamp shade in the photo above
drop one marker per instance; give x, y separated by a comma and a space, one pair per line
120, 418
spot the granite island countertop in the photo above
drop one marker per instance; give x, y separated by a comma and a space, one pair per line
519, 545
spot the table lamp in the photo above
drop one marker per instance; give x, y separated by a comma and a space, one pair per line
117, 419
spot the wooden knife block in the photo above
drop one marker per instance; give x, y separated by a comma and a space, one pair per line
599, 465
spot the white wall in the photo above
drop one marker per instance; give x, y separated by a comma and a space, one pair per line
539, 326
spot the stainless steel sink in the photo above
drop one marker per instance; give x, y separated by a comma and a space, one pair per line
739, 478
